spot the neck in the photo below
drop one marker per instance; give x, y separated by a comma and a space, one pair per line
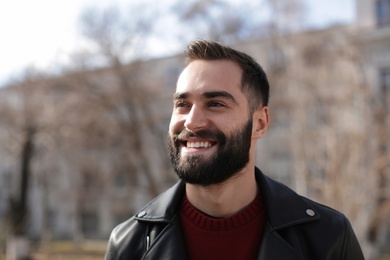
225, 199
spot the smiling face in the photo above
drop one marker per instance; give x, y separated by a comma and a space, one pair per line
210, 134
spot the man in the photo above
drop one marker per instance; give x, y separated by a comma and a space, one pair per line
223, 207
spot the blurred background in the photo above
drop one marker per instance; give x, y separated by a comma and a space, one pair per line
85, 103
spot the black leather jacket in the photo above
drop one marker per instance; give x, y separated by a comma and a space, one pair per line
296, 228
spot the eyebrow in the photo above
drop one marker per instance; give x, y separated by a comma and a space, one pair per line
207, 95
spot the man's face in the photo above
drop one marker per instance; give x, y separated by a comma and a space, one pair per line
210, 131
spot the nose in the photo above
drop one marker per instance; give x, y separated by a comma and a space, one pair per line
195, 119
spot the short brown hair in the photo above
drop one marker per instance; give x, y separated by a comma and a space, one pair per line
254, 81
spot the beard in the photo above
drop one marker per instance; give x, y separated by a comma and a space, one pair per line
231, 157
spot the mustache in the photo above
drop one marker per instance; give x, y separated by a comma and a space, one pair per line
202, 134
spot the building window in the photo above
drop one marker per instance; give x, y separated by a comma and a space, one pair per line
382, 9
89, 223
277, 59
121, 180
384, 78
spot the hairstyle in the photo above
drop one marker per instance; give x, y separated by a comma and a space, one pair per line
254, 81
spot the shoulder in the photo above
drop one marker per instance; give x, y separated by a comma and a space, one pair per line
333, 230
129, 239
330, 219
307, 224
127, 236
285, 206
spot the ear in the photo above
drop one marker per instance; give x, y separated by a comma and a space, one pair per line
260, 122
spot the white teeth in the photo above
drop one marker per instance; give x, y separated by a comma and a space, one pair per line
198, 144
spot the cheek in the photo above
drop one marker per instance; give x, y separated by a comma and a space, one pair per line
229, 125
174, 125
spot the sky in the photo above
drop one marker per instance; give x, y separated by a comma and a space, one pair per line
41, 33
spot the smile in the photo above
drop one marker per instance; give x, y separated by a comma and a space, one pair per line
203, 144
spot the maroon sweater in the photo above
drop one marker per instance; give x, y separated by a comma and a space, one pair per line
235, 237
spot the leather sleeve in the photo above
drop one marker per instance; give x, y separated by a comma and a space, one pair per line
351, 247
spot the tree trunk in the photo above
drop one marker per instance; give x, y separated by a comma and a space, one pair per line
17, 244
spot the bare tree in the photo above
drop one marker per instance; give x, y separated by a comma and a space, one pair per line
126, 99
20, 110
109, 114
116, 34
219, 20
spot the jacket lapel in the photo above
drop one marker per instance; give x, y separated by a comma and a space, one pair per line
162, 211
284, 209
170, 245
273, 246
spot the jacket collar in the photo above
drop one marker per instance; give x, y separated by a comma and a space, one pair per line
283, 206
163, 207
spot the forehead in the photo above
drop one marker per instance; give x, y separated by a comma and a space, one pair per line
203, 76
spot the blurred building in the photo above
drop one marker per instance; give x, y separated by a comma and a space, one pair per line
373, 38
319, 78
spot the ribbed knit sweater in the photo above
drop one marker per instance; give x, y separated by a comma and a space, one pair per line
235, 237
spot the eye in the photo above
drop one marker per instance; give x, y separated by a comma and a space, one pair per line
216, 104
179, 103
